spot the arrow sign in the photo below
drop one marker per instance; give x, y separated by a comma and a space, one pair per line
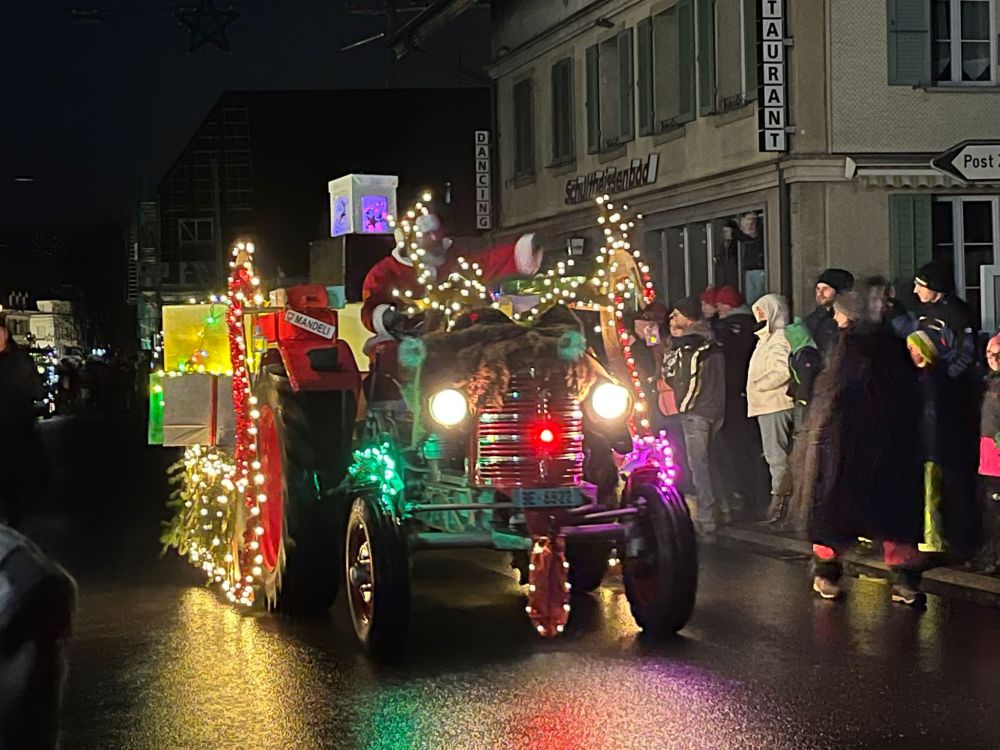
971, 161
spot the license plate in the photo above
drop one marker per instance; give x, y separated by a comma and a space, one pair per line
556, 497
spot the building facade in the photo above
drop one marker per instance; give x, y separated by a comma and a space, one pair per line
659, 103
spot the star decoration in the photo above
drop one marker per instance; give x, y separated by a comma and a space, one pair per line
206, 24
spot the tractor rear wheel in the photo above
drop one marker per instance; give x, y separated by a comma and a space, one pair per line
660, 567
303, 443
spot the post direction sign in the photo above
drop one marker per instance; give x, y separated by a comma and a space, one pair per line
971, 161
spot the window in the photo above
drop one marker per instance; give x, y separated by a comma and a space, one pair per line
724, 251
593, 99
617, 111
524, 129
962, 41
194, 232
563, 141
948, 42
736, 40
965, 231
673, 60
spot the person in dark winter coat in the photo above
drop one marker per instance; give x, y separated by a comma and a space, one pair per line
988, 556
948, 447
822, 328
862, 462
694, 369
939, 306
742, 473
20, 448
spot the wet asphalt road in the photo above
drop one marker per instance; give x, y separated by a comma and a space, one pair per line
160, 662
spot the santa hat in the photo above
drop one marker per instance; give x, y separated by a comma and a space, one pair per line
729, 296
936, 276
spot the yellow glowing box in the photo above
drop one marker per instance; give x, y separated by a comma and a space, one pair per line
195, 339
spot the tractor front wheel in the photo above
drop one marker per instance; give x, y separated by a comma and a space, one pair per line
377, 578
660, 565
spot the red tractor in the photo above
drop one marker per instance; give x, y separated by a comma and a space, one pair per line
493, 434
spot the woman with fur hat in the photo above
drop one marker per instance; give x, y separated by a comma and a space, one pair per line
862, 454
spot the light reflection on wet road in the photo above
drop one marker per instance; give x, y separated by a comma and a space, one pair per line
159, 664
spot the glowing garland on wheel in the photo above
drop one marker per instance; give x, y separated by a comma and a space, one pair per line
246, 476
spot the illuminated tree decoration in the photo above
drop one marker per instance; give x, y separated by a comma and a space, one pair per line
377, 467
218, 492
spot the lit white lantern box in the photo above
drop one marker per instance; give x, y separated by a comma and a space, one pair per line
198, 410
362, 204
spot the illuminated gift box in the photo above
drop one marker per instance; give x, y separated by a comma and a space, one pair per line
198, 410
196, 338
362, 204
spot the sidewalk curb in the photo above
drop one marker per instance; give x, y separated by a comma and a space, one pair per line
949, 576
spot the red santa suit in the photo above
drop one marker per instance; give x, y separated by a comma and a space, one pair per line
519, 258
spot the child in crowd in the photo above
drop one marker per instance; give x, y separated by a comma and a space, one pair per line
989, 461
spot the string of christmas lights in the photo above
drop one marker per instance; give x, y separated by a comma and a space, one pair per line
246, 476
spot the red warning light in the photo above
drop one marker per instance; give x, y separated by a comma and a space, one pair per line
546, 435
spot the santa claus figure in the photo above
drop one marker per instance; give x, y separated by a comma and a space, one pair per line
397, 272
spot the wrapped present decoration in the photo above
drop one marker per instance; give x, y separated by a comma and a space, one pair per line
196, 339
198, 410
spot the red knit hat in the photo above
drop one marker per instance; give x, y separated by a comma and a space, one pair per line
708, 297
728, 295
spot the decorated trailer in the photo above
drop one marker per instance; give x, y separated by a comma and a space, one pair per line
478, 420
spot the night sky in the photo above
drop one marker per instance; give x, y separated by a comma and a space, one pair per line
97, 113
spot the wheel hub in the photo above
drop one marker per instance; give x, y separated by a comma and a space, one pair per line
360, 574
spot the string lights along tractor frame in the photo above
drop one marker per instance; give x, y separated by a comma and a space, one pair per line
349, 505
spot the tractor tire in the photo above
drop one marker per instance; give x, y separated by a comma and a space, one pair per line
377, 577
304, 442
661, 584
588, 562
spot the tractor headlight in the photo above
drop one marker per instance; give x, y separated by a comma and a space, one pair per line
448, 407
610, 401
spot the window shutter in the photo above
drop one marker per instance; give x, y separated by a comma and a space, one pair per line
686, 60
909, 42
706, 56
593, 99
750, 31
644, 42
524, 135
910, 237
626, 87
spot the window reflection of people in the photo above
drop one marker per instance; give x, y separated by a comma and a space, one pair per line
753, 256
727, 256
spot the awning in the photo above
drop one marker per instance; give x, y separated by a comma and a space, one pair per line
913, 171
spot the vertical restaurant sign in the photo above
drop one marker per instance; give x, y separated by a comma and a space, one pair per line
484, 211
772, 96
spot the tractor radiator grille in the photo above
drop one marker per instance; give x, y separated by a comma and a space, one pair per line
534, 440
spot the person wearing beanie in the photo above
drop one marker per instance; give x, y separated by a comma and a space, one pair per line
831, 283
934, 286
708, 306
693, 368
859, 470
949, 444
742, 474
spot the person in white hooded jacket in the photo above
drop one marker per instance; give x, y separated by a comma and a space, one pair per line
768, 399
